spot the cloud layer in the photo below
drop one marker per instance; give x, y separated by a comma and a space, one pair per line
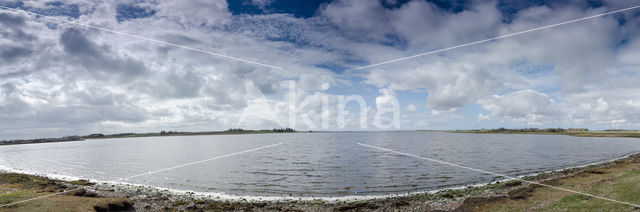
59, 79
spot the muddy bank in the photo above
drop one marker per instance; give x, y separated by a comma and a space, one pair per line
84, 195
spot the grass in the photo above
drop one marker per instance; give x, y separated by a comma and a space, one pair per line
619, 182
17, 187
365, 205
10, 197
58, 203
119, 204
81, 182
623, 188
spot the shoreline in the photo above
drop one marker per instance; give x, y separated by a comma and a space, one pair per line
142, 135
600, 133
145, 197
348, 198
622, 133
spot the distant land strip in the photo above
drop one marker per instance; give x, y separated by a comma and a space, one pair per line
131, 135
580, 132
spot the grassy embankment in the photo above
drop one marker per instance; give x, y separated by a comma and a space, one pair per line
619, 181
17, 187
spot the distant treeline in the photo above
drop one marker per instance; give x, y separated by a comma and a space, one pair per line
274, 130
41, 140
123, 135
617, 130
554, 130
284, 130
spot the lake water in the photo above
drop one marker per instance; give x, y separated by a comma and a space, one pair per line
313, 164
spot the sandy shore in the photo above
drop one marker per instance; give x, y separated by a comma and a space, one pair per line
86, 195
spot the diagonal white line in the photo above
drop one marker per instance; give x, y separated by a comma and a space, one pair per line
40, 197
151, 172
499, 37
140, 37
496, 174
205, 160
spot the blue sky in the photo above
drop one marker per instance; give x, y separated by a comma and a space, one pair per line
63, 79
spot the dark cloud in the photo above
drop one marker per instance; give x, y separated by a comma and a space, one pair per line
16, 35
183, 85
75, 43
11, 104
359, 20
58, 8
10, 54
179, 39
99, 60
128, 12
8, 88
221, 99
91, 114
19, 42
176, 84
13, 21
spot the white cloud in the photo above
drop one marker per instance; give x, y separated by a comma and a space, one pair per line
262, 4
482, 117
450, 85
425, 25
526, 106
195, 12
387, 100
410, 108
358, 18
387, 110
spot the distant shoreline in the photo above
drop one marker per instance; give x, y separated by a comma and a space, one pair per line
599, 133
550, 131
137, 135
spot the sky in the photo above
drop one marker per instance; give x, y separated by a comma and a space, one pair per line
59, 79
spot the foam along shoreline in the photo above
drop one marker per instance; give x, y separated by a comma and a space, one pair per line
445, 197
